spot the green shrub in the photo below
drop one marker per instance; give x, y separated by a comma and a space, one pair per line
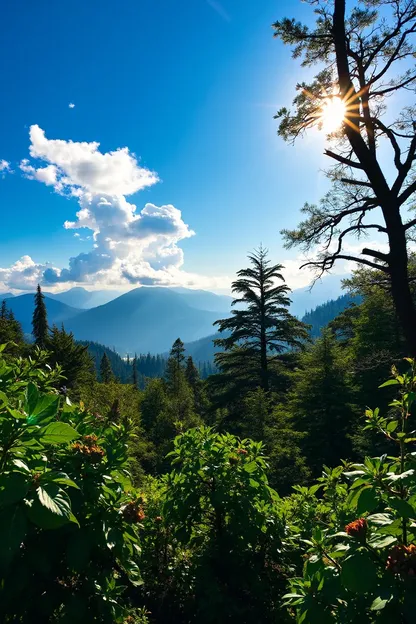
359, 549
69, 517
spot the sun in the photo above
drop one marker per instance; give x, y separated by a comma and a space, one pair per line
332, 114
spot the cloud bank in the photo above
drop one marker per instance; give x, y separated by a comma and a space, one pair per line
129, 246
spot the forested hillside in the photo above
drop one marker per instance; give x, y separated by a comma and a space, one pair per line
326, 312
176, 457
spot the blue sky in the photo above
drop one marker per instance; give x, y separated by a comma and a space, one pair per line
189, 87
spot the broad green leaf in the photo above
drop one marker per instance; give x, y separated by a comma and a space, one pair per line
402, 507
54, 499
32, 395
380, 519
250, 467
382, 541
382, 599
392, 426
60, 478
367, 501
45, 409
390, 382
3, 399
359, 573
13, 488
50, 507
58, 432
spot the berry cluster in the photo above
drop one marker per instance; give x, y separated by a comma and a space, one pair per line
89, 448
133, 512
402, 560
357, 529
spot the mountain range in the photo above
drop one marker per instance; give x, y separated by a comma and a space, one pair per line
146, 319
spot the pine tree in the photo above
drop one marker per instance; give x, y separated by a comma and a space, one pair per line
191, 373
263, 327
77, 364
174, 370
11, 332
134, 378
106, 373
40, 320
322, 403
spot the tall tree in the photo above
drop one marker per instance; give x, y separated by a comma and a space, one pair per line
134, 377
322, 403
364, 57
106, 373
262, 328
174, 369
40, 319
77, 364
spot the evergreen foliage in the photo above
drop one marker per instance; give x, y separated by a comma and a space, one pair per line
263, 327
106, 373
40, 321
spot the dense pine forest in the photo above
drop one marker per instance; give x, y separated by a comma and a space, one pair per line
276, 484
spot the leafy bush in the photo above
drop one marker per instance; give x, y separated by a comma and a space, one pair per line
214, 534
360, 548
69, 517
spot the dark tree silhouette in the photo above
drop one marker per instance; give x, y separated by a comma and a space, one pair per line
264, 326
364, 57
106, 372
40, 319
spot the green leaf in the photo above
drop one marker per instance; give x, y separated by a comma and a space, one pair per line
3, 399
390, 382
404, 508
58, 432
54, 498
359, 573
367, 501
32, 395
382, 541
392, 426
45, 409
60, 478
50, 508
13, 488
380, 519
382, 599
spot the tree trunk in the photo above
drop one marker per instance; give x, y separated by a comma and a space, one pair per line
396, 259
399, 277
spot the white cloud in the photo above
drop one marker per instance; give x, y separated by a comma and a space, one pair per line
71, 105
81, 167
129, 247
5, 167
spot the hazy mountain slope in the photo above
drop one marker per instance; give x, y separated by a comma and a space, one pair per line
304, 299
84, 299
205, 300
23, 305
144, 319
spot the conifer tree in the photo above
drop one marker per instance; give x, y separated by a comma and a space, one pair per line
322, 404
106, 372
197, 386
77, 364
263, 327
40, 320
174, 370
134, 377
3, 309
